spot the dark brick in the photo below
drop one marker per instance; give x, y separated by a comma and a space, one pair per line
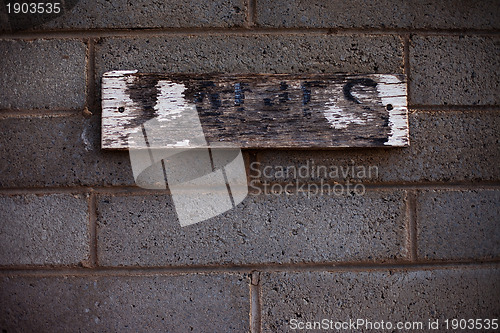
376, 296
458, 224
44, 230
144, 230
444, 146
183, 303
455, 70
55, 151
380, 14
252, 54
140, 14
42, 74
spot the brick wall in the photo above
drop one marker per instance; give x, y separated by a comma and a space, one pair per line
82, 249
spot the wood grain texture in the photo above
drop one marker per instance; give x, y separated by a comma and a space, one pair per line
254, 111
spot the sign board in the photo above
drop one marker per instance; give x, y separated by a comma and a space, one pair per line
254, 110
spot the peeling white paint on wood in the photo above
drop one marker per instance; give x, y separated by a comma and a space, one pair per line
254, 111
336, 114
115, 97
393, 93
171, 104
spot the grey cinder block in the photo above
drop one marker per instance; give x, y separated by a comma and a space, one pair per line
380, 14
444, 146
144, 231
458, 224
401, 296
252, 54
44, 230
121, 14
58, 151
455, 70
42, 74
68, 149
181, 303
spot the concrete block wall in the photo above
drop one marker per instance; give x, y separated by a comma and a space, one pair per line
83, 249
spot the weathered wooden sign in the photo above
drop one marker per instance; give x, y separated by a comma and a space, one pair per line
254, 111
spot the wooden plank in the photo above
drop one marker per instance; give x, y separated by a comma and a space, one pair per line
254, 111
